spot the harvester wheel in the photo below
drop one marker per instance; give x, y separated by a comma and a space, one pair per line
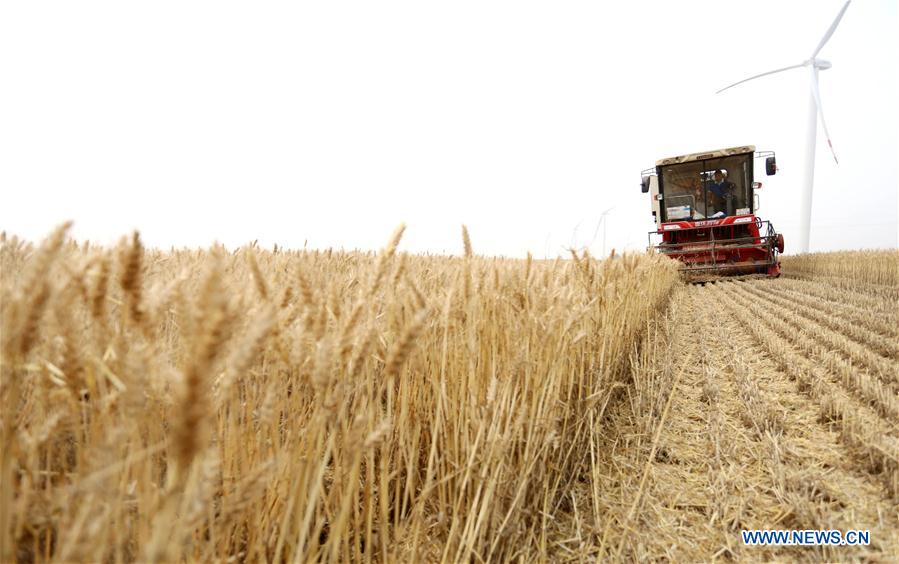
780, 243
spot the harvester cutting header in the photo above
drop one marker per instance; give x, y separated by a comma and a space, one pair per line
704, 205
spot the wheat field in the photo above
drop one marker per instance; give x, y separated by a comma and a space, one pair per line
298, 406
277, 405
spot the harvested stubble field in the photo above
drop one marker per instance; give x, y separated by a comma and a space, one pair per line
344, 406
784, 414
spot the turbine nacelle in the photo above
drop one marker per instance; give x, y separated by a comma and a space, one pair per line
819, 64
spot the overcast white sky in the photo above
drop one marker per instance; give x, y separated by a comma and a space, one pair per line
331, 122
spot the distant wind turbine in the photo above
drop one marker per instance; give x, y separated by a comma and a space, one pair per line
814, 64
602, 221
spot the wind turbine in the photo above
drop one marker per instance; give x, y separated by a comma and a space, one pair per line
814, 64
602, 221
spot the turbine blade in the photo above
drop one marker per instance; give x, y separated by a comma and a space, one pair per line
831, 29
760, 75
817, 94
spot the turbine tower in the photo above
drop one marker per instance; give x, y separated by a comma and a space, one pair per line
814, 64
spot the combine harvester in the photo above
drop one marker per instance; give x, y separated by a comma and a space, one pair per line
704, 205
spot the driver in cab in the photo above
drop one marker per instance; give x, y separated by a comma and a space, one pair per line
723, 190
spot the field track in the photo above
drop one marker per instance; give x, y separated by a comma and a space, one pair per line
783, 415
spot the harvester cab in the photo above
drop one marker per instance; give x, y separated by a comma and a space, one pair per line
704, 206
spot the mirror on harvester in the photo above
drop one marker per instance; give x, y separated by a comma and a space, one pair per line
770, 166
644, 185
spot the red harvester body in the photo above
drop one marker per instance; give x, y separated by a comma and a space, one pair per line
704, 205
